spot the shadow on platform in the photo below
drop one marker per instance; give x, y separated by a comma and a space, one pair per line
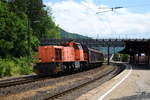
140, 67
139, 96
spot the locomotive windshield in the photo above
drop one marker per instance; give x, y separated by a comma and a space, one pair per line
78, 46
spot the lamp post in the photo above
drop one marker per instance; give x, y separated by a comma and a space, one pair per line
30, 13
108, 45
108, 9
29, 40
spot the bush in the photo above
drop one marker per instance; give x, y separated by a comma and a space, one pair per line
24, 68
124, 57
116, 57
14, 67
120, 57
8, 68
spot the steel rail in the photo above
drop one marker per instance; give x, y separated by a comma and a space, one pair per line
20, 80
114, 71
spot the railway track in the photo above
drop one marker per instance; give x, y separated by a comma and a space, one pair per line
16, 85
20, 80
113, 72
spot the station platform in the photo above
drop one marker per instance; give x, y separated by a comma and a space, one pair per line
132, 84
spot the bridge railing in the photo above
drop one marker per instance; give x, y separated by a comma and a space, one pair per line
89, 42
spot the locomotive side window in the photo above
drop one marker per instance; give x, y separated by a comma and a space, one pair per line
58, 54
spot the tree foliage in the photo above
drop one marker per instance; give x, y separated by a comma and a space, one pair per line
14, 29
13, 33
20, 21
120, 57
41, 22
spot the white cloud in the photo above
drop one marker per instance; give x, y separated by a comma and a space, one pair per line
81, 18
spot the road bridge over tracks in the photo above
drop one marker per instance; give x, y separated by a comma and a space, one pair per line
88, 42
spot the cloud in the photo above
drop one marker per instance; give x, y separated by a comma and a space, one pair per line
81, 17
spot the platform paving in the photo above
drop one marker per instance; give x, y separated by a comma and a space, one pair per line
134, 87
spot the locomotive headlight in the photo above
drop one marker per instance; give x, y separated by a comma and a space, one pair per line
53, 58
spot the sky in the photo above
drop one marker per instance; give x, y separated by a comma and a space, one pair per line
80, 16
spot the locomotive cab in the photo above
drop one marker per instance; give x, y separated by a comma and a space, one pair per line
79, 53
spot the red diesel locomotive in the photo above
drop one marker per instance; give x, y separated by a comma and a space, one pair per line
66, 58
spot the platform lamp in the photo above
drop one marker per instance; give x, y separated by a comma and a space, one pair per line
29, 40
107, 10
29, 35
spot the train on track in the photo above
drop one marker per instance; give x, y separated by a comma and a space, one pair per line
68, 57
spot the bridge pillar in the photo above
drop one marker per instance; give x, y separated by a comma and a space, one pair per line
145, 59
148, 61
131, 59
108, 52
114, 49
134, 59
138, 58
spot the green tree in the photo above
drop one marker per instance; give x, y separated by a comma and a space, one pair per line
13, 32
40, 19
48, 27
19, 6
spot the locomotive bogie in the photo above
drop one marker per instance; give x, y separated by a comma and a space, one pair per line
57, 67
45, 68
